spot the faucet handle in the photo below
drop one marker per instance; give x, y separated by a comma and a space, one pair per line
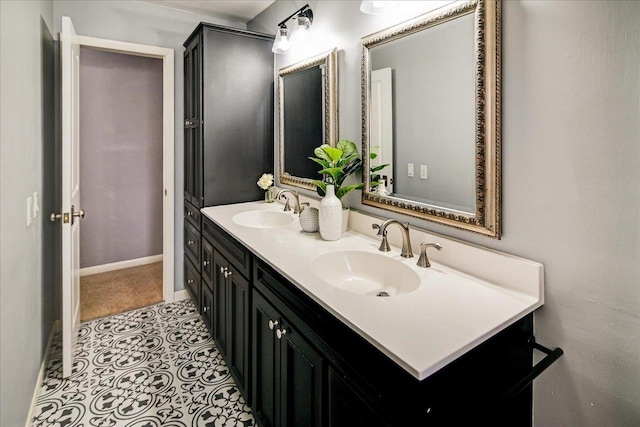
304, 205
287, 206
377, 227
423, 261
384, 245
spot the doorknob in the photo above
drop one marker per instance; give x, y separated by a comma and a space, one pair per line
54, 217
74, 214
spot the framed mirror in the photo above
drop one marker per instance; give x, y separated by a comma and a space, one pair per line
431, 117
308, 116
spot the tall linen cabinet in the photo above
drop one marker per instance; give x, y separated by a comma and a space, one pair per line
228, 136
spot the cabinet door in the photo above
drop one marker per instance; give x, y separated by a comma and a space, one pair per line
193, 122
220, 316
207, 263
238, 308
301, 380
345, 408
192, 282
265, 320
206, 306
192, 244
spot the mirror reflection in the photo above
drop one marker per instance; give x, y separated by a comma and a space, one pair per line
422, 115
307, 98
431, 111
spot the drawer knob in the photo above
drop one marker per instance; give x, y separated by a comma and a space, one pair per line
227, 273
205, 309
190, 242
222, 270
273, 324
280, 333
189, 281
205, 263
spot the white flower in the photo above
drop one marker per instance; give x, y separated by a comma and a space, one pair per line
265, 181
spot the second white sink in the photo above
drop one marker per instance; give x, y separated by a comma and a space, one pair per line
263, 219
365, 273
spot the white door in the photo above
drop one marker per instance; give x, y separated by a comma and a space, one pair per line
72, 213
381, 134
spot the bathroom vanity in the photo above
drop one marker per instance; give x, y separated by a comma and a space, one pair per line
304, 351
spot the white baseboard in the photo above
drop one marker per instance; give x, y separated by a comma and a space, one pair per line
180, 295
87, 271
43, 368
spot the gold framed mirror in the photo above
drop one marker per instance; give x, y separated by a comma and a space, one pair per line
431, 112
307, 116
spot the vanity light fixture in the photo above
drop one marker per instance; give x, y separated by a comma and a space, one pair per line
284, 40
376, 7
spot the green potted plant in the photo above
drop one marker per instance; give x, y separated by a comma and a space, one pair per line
337, 164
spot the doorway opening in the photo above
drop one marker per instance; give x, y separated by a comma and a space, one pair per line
121, 182
127, 176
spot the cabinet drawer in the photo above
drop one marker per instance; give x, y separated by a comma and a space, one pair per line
192, 244
234, 252
192, 281
192, 214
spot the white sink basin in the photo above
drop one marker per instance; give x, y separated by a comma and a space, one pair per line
365, 273
263, 219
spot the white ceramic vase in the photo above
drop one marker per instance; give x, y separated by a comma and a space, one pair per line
330, 215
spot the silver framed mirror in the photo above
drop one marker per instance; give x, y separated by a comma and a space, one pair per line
431, 112
307, 116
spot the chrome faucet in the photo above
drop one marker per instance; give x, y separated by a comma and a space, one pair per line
423, 261
406, 241
287, 206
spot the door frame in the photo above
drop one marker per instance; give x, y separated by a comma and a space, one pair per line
168, 143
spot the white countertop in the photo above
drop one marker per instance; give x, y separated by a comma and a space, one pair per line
424, 330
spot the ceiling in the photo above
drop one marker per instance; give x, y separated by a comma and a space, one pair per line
237, 10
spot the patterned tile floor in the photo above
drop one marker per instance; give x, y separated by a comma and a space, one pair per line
155, 366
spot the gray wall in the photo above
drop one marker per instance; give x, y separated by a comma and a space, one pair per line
571, 182
143, 23
26, 133
434, 120
120, 157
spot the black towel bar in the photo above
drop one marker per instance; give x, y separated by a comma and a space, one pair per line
540, 367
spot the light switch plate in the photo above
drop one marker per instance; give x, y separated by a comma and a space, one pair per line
423, 171
29, 210
410, 170
36, 204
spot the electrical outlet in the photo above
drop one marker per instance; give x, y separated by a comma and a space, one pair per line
29, 210
423, 171
36, 204
410, 170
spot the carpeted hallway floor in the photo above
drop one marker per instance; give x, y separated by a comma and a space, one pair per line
114, 292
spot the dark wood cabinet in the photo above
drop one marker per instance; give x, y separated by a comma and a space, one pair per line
193, 121
227, 275
361, 385
208, 268
345, 406
296, 364
228, 114
231, 325
207, 307
192, 281
228, 144
287, 371
221, 268
239, 329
